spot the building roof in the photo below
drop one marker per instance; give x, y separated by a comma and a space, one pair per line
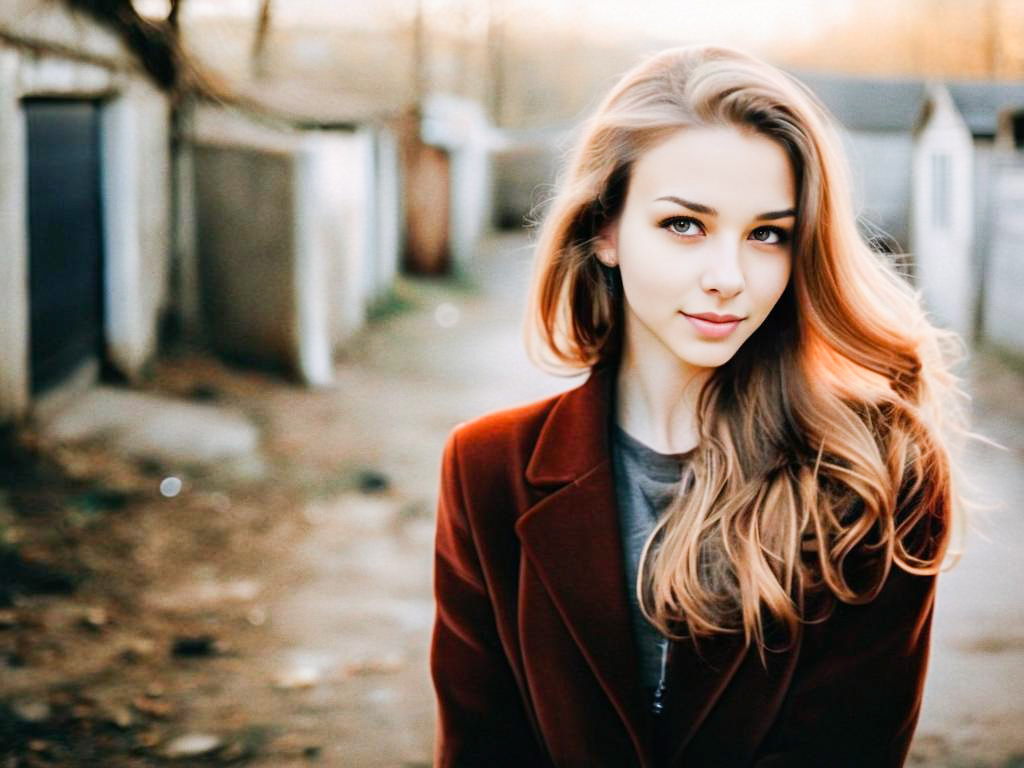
980, 103
894, 104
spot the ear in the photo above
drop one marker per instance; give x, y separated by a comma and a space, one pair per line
607, 245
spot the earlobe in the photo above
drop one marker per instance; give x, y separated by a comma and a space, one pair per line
605, 249
606, 255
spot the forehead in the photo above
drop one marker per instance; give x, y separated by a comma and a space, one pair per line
721, 166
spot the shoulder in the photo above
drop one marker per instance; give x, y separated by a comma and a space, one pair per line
504, 437
504, 456
484, 465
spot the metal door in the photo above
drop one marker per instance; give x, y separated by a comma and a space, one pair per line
65, 238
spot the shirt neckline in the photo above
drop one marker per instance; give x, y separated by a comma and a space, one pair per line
636, 446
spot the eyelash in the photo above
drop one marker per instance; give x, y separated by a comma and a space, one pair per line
782, 234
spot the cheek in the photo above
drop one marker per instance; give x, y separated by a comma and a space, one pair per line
639, 265
655, 269
653, 287
643, 275
770, 280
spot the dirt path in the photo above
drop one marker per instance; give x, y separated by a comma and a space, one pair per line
299, 600
284, 616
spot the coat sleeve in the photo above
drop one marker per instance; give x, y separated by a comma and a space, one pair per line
481, 717
855, 695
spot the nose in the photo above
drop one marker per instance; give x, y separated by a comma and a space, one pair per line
723, 272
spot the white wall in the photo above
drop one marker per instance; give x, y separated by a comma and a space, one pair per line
136, 195
942, 250
385, 245
330, 269
1003, 308
339, 213
14, 309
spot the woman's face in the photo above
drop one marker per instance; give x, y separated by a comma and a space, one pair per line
705, 230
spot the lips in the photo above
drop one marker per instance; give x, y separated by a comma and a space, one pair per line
711, 317
712, 325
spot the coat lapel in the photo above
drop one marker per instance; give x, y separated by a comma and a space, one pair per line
571, 537
696, 681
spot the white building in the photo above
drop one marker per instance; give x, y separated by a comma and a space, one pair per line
85, 205
288, 234
942, 220
1000, 309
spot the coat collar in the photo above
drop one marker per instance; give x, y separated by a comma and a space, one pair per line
572, 538
574, 438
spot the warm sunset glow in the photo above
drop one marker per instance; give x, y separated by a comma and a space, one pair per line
869, 37
667, 19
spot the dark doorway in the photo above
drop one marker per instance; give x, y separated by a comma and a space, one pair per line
1017, 124
427, 211
65, 238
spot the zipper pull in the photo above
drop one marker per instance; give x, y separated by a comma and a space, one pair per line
658, 705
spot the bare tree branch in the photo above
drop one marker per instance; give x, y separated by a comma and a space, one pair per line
260, 41
174, 15
154, 43
496, 44
419, 57
157, 46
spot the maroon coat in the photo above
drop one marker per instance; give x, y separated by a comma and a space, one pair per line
533, 659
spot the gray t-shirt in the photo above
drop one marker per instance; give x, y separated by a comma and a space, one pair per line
645, 482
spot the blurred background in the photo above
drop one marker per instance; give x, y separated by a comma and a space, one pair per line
260, 256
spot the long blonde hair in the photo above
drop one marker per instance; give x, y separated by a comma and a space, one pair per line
831, 431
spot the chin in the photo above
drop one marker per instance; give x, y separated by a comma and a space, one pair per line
711, 358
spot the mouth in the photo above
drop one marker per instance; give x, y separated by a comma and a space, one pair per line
712, 325
712, 317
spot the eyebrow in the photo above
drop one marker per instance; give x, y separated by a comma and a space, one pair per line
699, 208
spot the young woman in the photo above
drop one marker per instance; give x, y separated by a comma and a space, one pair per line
720, 549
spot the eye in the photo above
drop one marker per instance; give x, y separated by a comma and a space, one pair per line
683, 226
764, 235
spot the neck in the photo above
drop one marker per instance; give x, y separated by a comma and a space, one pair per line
656, 401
